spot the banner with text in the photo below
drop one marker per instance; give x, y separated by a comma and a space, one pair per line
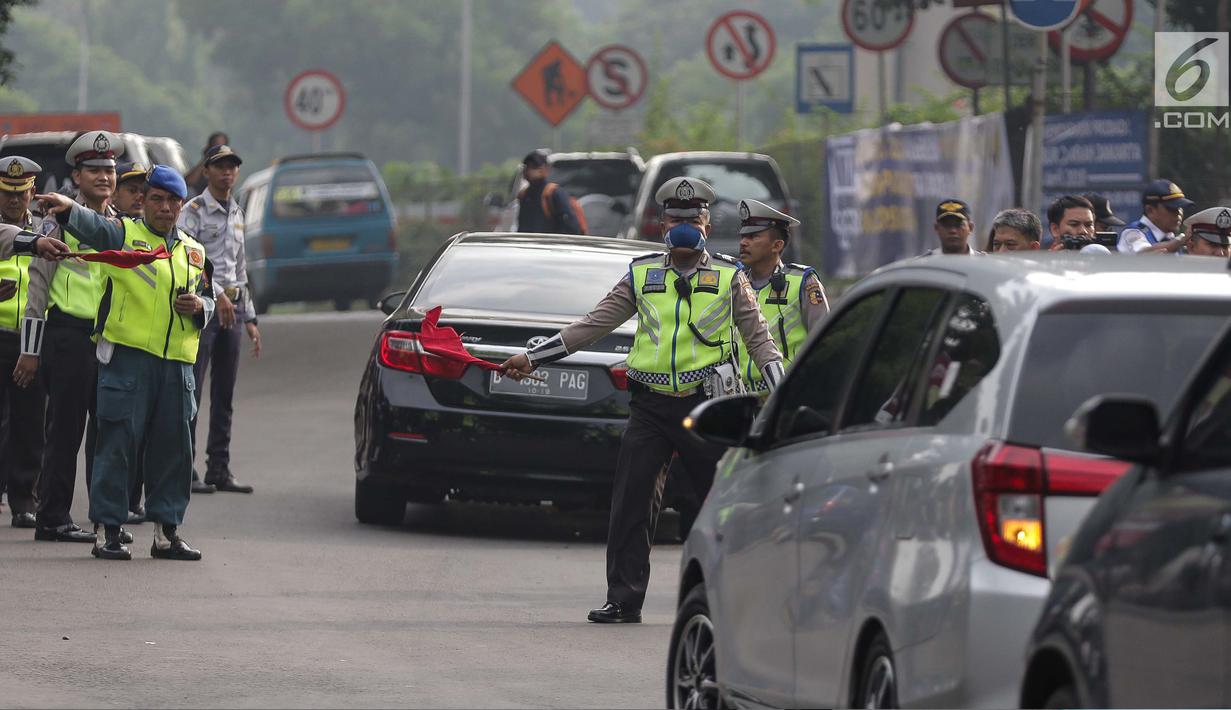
1100, 151
884, 185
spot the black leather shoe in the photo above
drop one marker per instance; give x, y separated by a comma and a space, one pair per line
110, 547
613, 613
24, 520
227, 482
126, 537
168, 545
64, 533
198, 487
136, 517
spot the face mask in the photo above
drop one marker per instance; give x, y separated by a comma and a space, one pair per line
685, 236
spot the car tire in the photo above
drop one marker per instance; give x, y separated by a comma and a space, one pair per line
878, 679
1063, 697
424, 496
378, 504
692, 680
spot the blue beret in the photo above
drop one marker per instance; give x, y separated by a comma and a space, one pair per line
168, 179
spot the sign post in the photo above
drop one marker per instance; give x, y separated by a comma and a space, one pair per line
314, 101
740, 45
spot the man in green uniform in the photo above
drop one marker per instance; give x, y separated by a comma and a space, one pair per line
149, 322
688, 307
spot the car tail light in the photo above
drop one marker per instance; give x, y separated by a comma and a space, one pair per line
1010, 483
619, 376
651, 226
401, 350
267, 246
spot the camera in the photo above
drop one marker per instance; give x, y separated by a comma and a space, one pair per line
1107, 239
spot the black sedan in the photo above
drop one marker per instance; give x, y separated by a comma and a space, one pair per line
426, 428
1139, 613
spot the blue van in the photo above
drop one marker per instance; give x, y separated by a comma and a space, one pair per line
318, 227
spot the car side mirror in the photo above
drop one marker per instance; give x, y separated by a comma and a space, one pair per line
1118, 425
725, 420
389, 303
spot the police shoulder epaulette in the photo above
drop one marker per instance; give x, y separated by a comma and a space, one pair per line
727, 258
651, 255
798, 267
194, 203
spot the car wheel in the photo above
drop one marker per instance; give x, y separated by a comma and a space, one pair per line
1063, 697
379, 505
878, 684
691, 679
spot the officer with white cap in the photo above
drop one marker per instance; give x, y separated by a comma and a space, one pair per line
790, 295
59, 325
21, 405
688, 307
1209, 232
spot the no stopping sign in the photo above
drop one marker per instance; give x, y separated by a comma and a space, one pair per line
616, 76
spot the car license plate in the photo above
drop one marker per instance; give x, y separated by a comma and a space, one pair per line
330, 244
561, 384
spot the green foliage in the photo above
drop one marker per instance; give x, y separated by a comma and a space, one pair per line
6, 54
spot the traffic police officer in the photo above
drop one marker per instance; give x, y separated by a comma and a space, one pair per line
215, 219
21, 402
1209, 232
688, 307
59, 322
146, 349
129, 182
790, 295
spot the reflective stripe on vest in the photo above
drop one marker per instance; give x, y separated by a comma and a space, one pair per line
784, 317
1143, 228
77, 285
666, 354
16, 268
139, 311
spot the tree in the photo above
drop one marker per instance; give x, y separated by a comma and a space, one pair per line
6, 55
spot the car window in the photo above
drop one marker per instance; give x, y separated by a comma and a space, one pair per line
968, 350
330, 190
254, 208
1207, 437
731, 180
1138, 349
883, 394
808, 403
615, 178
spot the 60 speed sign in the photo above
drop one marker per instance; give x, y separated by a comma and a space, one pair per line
877, 25
314, 100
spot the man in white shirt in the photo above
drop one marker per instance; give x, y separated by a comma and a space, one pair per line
1164, 204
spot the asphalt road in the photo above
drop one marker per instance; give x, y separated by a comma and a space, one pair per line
295, 604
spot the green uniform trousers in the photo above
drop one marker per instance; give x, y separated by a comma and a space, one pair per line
145, 404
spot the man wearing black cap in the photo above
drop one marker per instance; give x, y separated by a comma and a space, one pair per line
953, 227
544, 206
216, 220
60, 319
1164, 204
21, 402
129, 183
1104, 219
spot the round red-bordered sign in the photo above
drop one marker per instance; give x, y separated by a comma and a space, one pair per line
314, 100
1097, 33
876, 32
621, 90
963, 56
740, 55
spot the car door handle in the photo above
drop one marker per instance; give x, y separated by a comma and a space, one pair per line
797, 491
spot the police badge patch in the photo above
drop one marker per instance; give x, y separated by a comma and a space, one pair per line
138, 244
15, 169
101, 144
684, 191
1224, 220
707, 281
196, 257
655, 281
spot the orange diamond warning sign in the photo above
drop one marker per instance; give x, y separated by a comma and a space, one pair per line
553, 83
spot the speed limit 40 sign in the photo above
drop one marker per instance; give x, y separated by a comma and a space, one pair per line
314, 100
877, 25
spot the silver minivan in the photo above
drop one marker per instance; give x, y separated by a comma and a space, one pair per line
881, 532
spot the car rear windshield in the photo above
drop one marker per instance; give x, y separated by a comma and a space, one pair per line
615, 178
326, 191
525, 279
1074, 356
731, 179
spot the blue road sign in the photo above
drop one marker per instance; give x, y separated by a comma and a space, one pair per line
824, 76
1044, 15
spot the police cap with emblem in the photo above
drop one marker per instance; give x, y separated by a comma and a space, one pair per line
1213, 225
1166, 192
130, 171
96, 148
953, 208
221, 152
756, 216
17, 173
165, 178
684, 196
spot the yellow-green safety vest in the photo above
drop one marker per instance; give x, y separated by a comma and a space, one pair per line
666, 354
77, 286
138, 304
17, 268
785, 319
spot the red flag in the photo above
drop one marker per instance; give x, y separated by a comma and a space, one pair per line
124, 259
446, 343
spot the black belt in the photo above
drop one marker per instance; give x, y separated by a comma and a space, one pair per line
59, 318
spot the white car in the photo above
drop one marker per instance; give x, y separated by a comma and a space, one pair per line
881, 533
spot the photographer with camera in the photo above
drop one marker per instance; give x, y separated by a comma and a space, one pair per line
1071, 222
